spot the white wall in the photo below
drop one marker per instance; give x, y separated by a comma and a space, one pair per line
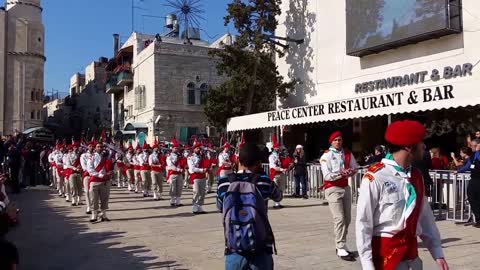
328, 74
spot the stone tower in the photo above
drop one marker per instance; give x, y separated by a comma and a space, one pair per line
23, 96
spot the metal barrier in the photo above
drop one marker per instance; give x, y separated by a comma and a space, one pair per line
448, 196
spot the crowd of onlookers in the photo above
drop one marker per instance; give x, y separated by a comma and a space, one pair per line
21, 167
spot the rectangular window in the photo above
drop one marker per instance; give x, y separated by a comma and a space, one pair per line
191, 96
203, 97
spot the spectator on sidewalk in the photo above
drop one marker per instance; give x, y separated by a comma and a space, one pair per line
258, 256
438, 161
378, 155
465, 154
300, 172
13, 165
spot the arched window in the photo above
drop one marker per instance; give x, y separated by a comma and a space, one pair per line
203, 93
32, 115
191, 93
32, 95
109, 105
39, 116
39, 95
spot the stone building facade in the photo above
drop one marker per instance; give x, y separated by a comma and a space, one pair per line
87, 109
21, 66
159, 86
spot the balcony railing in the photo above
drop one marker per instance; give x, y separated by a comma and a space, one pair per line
112, 86
124, 78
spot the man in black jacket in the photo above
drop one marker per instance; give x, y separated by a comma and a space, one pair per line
300, 172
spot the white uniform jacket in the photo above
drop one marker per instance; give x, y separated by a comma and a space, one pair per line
274, 162
333, 162
224, 159
59, 160
84, 158
381, 212
171, 161
92, 165
129, 159
143, 158
194, 164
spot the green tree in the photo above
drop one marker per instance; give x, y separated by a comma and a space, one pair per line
253, 81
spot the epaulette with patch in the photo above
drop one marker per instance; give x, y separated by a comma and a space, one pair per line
369, 176
326, 151
376, 167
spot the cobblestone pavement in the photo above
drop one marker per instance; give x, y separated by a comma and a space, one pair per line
146, 234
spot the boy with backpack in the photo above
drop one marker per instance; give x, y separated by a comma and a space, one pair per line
243, 199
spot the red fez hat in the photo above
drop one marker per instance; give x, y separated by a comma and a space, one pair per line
197, 145
76, 144
275, 145
174, 142
334, 135
138, 147
405, 133
146, 146
226, 146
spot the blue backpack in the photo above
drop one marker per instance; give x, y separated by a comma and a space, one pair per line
245, 221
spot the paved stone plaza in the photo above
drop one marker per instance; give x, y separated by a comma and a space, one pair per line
145, 234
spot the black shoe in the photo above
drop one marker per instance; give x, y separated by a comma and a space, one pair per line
477, 225
179, 205
172, 205
93, 220
145, 195
105, 219
88, 212
348, 258
196, 213
305, 197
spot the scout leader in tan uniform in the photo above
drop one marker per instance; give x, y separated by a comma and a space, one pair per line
337, 166
392, 209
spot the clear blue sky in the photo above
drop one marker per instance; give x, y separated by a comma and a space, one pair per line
79, 32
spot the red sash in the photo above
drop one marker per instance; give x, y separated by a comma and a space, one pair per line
170, 172
389, 252
59, 169
203, 164
98, 169
145, 167
158, 166
120, 164
222, 168
272, 173
343, 182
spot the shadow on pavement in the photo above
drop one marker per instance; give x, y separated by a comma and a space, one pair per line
47, 239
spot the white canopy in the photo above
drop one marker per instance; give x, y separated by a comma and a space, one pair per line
460, 93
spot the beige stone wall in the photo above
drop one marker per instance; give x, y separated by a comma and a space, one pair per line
165, 69
25, 67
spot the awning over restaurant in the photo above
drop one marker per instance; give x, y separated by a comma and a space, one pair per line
372, 99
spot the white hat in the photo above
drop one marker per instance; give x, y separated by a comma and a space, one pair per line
299, 147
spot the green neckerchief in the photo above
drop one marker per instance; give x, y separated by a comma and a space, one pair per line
412, 194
